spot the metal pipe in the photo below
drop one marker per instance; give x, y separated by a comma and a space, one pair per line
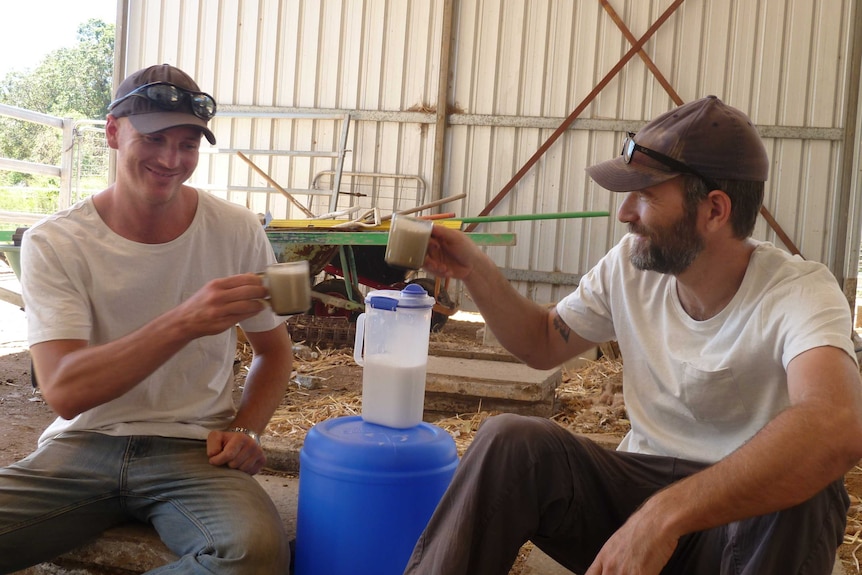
487, 120
433, 204
275, 185
847, 217
440, 118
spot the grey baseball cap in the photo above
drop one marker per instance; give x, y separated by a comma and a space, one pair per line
709, 137
149, 116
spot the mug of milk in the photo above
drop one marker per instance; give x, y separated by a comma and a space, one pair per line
289, 286
407, 242
391, 345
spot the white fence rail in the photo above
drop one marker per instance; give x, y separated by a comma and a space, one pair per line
70, 170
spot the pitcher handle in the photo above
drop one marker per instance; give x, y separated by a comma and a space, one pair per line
359, 340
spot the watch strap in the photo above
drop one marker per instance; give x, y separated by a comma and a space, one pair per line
250, 432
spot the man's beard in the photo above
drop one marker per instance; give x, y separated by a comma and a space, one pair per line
669, 249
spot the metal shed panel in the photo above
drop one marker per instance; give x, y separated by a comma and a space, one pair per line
517, 69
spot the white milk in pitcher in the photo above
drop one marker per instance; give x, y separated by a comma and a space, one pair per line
392, 395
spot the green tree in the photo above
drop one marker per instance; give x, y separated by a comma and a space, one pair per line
70, 83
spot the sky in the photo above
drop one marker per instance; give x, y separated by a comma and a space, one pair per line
34, 28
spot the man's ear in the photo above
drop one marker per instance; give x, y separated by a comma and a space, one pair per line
719, 206
112, 132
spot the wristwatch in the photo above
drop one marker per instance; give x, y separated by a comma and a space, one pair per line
251, 433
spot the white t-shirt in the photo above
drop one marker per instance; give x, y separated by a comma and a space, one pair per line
700, 389
81, 280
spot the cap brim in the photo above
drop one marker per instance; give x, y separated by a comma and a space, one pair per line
618, 176
158, 121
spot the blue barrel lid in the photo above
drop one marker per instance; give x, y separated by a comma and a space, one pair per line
350, 443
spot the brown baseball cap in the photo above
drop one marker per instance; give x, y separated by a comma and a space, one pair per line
709, 137
193, 108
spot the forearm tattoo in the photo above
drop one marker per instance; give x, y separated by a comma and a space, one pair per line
562, 328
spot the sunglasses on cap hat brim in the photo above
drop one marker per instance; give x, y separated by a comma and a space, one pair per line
630, 147
169, 97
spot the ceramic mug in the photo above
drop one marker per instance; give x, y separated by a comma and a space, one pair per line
407, 242
289, 287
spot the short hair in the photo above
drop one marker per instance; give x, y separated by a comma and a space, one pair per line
746, 198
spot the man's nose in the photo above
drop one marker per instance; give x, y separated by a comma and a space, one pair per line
626, 212
170, 156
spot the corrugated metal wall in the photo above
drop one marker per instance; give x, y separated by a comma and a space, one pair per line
516, 70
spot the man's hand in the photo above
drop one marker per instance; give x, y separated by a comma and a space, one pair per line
639, 547
451, 254
236, 450
221, 304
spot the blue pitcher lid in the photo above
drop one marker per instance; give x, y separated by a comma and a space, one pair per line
413, 296
382, 302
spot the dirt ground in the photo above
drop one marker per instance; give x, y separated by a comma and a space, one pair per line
588, 402
24, 414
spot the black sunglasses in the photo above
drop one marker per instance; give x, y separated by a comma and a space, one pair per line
169, 97
630, 147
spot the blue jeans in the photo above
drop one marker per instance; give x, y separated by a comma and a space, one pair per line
216, 519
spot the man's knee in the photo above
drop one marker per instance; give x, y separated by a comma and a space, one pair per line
267, 548
249, 550
510, 428
517, 436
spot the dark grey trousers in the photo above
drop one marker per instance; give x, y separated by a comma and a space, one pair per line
526, 478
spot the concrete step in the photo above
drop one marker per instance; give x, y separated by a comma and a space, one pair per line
467, 385
10, 287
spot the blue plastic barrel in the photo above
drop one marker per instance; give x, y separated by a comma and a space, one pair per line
366, 493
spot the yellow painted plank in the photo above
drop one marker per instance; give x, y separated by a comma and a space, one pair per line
330, 224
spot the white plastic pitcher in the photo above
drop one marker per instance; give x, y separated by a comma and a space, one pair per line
392, 347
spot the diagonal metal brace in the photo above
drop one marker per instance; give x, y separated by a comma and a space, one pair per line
577, 111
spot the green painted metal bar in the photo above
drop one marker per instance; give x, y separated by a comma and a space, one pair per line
523, 217
368, 238
13, 256
348, 268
